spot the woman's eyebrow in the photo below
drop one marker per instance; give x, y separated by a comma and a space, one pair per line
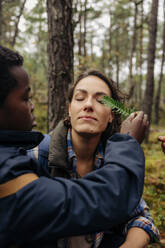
81, 90
101, 93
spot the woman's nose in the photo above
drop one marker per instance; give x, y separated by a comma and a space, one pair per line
88, 105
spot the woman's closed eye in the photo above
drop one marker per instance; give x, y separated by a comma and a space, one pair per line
99, 99
79, 98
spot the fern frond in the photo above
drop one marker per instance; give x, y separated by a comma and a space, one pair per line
117, 106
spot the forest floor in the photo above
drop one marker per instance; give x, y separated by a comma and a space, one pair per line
154, 189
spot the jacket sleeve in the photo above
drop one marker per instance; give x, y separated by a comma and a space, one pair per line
141, 218
47, 208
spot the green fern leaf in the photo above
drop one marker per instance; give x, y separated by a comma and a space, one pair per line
117, 106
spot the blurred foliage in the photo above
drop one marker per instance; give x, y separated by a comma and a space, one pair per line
154, 189
38, 78
9, 22
40, 112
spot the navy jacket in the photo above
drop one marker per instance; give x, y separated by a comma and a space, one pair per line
47, 209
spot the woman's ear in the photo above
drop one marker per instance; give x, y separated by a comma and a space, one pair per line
69, 111
111, 116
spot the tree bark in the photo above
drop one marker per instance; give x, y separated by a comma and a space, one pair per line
85, 28
91, 46
103, 57
117, 56
80, 41
148, 97
110, 67
133, 49
141, 54
157, 99
60, 51
1, 21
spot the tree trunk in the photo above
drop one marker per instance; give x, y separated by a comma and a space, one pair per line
141, 55
110, 45
17, 23
157, 99
80, 36
117, 57
0, 21
60, 51
148, 97
91, 46
85, 28
103, 57
133, 49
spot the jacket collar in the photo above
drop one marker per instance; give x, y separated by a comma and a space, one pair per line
25, 139
58, 149
58, 155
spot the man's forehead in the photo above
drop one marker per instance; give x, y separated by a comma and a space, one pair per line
19, 72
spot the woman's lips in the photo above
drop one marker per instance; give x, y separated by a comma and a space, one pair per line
87, 118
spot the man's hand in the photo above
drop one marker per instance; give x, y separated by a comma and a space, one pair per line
135, 125
162, 139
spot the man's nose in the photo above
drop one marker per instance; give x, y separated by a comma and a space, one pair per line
31, 106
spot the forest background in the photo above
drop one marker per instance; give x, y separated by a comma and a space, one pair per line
125, 39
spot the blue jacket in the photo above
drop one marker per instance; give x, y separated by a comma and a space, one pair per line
47, 209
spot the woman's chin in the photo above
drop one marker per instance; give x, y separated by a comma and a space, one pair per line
88, 133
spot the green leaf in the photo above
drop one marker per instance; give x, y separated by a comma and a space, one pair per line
117, 106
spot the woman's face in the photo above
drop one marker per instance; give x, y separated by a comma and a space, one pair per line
88, 115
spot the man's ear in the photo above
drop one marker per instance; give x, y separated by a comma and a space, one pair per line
111, 116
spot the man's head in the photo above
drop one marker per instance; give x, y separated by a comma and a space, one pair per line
16, 108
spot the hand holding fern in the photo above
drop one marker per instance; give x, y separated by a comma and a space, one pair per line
135, 125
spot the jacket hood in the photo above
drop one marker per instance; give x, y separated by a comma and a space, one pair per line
25, 139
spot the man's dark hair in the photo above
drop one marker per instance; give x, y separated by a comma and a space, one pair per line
8, 59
